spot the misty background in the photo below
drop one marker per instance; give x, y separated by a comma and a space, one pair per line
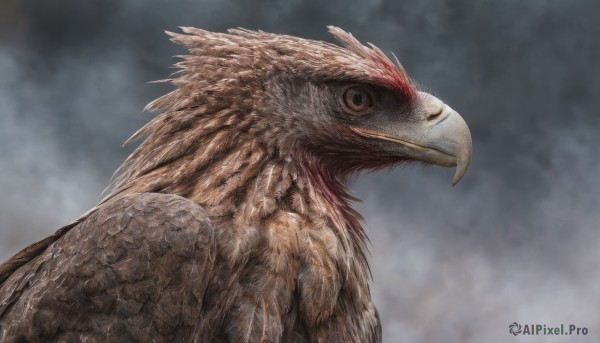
518, 239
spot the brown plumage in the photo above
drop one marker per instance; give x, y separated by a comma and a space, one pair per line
231, 221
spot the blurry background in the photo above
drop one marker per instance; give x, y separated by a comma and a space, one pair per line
516, 240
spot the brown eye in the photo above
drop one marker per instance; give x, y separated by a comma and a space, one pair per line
358, 99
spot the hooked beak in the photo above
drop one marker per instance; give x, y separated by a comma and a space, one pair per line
440, 137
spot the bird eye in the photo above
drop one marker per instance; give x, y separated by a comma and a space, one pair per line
357, 99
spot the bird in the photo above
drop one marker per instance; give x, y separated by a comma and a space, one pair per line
232, 220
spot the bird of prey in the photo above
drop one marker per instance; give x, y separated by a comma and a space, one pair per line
231, 221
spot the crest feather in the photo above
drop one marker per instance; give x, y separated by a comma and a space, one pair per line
390, 74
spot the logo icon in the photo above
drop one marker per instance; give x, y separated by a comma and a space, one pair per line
514, 328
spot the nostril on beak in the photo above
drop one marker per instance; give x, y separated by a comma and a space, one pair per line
435, 115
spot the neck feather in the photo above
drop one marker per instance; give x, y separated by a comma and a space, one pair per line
240, 178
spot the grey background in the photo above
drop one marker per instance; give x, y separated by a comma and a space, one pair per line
516, 240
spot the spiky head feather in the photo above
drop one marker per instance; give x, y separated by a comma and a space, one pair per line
225, 75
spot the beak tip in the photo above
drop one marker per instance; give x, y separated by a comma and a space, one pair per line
461, 169
456, 179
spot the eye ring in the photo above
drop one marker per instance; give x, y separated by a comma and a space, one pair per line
357, 99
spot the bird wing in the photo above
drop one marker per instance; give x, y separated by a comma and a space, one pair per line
136, 268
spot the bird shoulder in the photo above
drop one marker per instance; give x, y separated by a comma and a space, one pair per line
140, 261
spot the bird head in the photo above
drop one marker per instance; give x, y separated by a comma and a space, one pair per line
359, 121
353, 108
245, 98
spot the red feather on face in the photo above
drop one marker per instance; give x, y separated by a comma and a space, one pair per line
381, 69
393, 77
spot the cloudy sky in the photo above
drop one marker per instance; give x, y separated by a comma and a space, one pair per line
518, 239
